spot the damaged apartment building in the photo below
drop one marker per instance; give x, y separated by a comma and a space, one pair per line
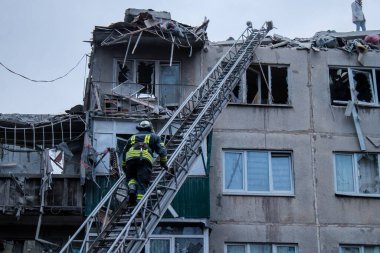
284, 157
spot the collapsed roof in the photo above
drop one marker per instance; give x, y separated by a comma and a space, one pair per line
351, 42
153, 24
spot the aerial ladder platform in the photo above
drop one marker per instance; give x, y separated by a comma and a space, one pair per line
116, 226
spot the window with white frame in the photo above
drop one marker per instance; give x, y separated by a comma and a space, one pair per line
148, 79
176, 238
258, 172
263, 84
357, 174
261, 248
356, 84
359, 249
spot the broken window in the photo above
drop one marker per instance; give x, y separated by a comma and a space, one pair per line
124, 72
339, 85
146, 76
147, 80
357, 174
258, 172
264, 84
359, 85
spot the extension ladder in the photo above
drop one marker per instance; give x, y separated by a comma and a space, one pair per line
114, 226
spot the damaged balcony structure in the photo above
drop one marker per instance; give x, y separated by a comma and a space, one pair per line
40, 182
143, 64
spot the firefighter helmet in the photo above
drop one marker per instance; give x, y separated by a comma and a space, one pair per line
145, 125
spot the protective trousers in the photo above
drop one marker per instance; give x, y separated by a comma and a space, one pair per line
138, 173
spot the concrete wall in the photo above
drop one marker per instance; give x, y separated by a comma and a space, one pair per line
315, 218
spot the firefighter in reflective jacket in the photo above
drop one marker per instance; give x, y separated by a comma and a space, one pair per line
138, 159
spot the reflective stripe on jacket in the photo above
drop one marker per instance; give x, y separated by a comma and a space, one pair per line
143, 145
140, 149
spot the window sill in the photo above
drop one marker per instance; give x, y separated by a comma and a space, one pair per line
260, 194
357, 195
260, 105
343, 104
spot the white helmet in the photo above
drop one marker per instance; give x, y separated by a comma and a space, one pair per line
145, 125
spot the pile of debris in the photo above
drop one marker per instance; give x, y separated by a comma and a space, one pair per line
351, 42
152, 24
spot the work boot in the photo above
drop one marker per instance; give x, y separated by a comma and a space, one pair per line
132, 193
132, 197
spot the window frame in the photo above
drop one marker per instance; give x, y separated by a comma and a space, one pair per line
271, 191
134, 74
244, 86
273, 246
361, 247
173, 237
355, 173
373, 85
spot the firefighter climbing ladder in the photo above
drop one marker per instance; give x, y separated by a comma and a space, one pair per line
113, 226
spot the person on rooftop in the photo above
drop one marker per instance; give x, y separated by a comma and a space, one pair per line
357, 15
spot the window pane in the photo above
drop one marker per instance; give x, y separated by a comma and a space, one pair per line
145, 76
258, 171
177, 230
235, 249
344, 176
260, 248
189, 245
233, 178
371, 249
286, 249
339, 85
279, 85
281, 172
368, 174
169, 84
124, 72
159, 246
363, 85
350, 249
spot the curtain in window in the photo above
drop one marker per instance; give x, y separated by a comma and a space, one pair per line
368, 173
233, 178
260, 248
236, 249
344, 173
159, 246
258, 171
281, 173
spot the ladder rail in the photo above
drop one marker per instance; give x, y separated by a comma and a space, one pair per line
92, 215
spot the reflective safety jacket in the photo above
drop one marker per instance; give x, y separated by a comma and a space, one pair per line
143, 145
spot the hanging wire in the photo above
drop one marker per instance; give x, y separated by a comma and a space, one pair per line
44, 81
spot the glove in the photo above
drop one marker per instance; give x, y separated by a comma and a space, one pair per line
164, 165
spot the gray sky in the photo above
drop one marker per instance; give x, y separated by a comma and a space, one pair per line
43, 39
